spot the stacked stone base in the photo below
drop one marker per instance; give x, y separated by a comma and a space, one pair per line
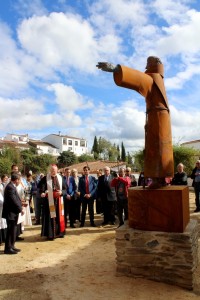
160, 256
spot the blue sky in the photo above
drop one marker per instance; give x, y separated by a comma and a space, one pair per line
48, 76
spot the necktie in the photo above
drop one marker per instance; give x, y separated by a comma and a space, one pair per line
86, 185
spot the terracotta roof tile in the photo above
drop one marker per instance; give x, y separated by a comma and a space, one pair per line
95, 165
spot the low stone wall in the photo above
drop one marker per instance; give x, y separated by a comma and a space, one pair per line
160, 256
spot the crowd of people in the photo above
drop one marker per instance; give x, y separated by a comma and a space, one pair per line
61, 199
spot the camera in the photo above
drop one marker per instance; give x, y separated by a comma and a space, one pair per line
114, 174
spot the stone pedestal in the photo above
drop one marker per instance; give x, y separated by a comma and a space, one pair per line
160, 256
165, 209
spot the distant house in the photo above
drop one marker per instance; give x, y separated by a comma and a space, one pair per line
18, 138
67, 143
192, 144
44, 148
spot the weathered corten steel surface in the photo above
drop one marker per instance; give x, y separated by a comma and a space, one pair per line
164, 209
158, 162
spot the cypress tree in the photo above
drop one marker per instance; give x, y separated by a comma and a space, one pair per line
95, 148
123, 152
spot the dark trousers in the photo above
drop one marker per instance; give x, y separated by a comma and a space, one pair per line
38, 208
70, 209
99, 208
122, 207
90, 204
108, 210
77, 209
11, 234
197, 194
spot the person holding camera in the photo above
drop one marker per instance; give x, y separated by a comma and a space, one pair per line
121, 184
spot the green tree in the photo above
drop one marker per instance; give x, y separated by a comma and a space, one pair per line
185, 155
40, 163
104, 147
5, 165
13, 155
85, 157
139, 160
123, 152
27, 157
66, 158
129, 159
112, 152
95, 148
118, 153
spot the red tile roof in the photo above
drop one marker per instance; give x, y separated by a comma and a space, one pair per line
4, 143
96, 165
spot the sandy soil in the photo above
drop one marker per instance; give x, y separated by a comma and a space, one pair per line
80, 266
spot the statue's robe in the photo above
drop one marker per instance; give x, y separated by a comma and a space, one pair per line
158, 162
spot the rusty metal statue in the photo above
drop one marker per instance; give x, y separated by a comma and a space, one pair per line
158, 161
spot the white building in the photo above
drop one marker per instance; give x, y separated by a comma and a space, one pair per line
18, 138
44, 148
192, 144
67, 143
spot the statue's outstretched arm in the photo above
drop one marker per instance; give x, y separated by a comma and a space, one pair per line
107, 67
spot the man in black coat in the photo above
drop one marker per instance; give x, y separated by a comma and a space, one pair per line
108, 197
12, 206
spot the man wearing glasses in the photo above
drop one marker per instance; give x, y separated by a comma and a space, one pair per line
132, 177
196, 183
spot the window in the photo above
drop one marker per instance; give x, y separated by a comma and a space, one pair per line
82, 143
64, 142
70, 142
70, 148
76, 143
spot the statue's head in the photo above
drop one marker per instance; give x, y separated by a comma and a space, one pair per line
154, 65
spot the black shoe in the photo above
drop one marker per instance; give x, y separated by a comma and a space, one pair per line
19, 238
81, 225
112, 223
16, 249
104, 223
61, 236
93, 225
120, 224
72, 226
197, 210
10, 251
37, 223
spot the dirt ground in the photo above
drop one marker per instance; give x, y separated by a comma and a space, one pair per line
80, 266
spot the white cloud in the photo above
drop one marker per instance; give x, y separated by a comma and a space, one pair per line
68, 99
29, 8
182, 38
170, 11
121, 12
30, 114
60, 41
185, 124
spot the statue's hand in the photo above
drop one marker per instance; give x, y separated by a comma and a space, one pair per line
105, 66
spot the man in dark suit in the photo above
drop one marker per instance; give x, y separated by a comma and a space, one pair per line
108, 196
69, 199
87, 188
12, 206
